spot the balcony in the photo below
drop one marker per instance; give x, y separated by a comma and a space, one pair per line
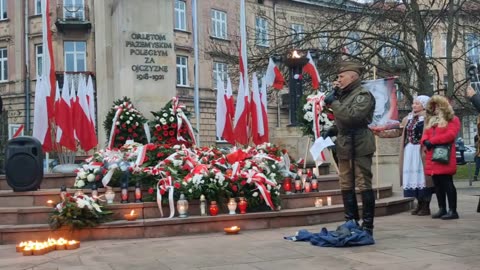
393, 64
74, 17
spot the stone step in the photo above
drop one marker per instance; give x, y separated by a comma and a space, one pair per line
147, 210
50, 180
161, 227
9, 198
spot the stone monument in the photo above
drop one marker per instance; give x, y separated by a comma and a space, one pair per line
135, 55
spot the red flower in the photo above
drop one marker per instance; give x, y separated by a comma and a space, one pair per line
124, 125
162, 191
165, 127
176, 185
134, 126
160, 138
159, 154
159, 128
130, 130
117, 131
173, 125
165, 133
234, 188
135, 135
150, 190
330, 116
171, 133
243, 183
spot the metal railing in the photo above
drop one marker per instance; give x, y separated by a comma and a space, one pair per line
73, 12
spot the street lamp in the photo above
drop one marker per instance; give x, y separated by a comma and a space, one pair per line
295, 61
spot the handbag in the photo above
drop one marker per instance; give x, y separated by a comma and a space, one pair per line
441, 153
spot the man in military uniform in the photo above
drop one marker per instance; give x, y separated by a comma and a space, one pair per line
353, 108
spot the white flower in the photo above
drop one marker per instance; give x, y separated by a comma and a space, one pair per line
121, 116
273, 167
131, 118
308, 116
272, 176
269, 187
96, 171
80, 183
128, 122
176, 147
115, 107
190, 190
255, 194
156, 117
127, 113
117, 123
136, 124
165, 115
248, 164
184, 183
91, 177
133, 115
177, 163
171, 119
81, 175
307, 107
163, 121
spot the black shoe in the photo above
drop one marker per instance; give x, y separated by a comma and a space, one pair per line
440, 213
417, 209
452, 214
475, 178
368, 230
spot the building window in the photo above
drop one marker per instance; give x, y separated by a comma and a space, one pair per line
261, 31
428, 45
3, 9
219, 24
75, 55
219, 70
38, 7
182, 71
297, 32
39, 59
180, 15
73, 9
323, 41
3, 65
444, 44
353, 46
389, 52
472, 43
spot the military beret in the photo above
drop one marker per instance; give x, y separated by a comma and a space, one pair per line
351, 66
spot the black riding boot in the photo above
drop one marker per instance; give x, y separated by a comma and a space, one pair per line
368, 201
350, 205
441, 198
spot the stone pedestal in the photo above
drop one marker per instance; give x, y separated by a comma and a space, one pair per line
135, 54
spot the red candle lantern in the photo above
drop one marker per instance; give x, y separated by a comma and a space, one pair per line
213, 208
308, 187
314, 183
298, 184
242, 205
287, 185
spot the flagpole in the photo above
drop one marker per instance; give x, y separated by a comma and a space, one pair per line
196, 68
376, 147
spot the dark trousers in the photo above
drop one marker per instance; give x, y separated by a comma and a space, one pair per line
444, 188
477, 166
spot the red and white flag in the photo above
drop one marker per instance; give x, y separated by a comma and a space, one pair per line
230, 101
241, 126
311, 70
84, 128
45, 88
91, 100
273, 76
263, 98
63, 117
224, 122
256, 109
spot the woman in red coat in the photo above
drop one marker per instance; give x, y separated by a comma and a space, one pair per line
441, 127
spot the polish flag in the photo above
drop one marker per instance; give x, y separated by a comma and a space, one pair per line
91, 101
84, 128
229, 100
311, 70
273, 76
63, 118
224, 123
45, 88
243, 98
263, 98
256, 109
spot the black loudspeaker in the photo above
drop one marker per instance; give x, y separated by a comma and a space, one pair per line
24, 163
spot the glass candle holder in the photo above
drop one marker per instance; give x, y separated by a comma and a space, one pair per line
298, 185
182, 206
318, 202
287, 185
307, 187
232, 206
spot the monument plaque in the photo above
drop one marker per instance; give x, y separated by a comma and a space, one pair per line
135, 54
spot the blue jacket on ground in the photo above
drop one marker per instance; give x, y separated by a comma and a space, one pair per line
347, 235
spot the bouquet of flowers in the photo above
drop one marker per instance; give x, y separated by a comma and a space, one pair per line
78, 212
124, 122
315, 117
171, 125
89, 174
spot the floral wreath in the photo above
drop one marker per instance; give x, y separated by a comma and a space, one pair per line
315, 117
124, 122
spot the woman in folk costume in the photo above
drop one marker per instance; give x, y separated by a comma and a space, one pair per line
413, 179
441, 128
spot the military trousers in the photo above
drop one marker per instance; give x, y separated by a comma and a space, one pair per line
363, 173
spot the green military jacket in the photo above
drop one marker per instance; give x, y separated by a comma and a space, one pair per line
353, 111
